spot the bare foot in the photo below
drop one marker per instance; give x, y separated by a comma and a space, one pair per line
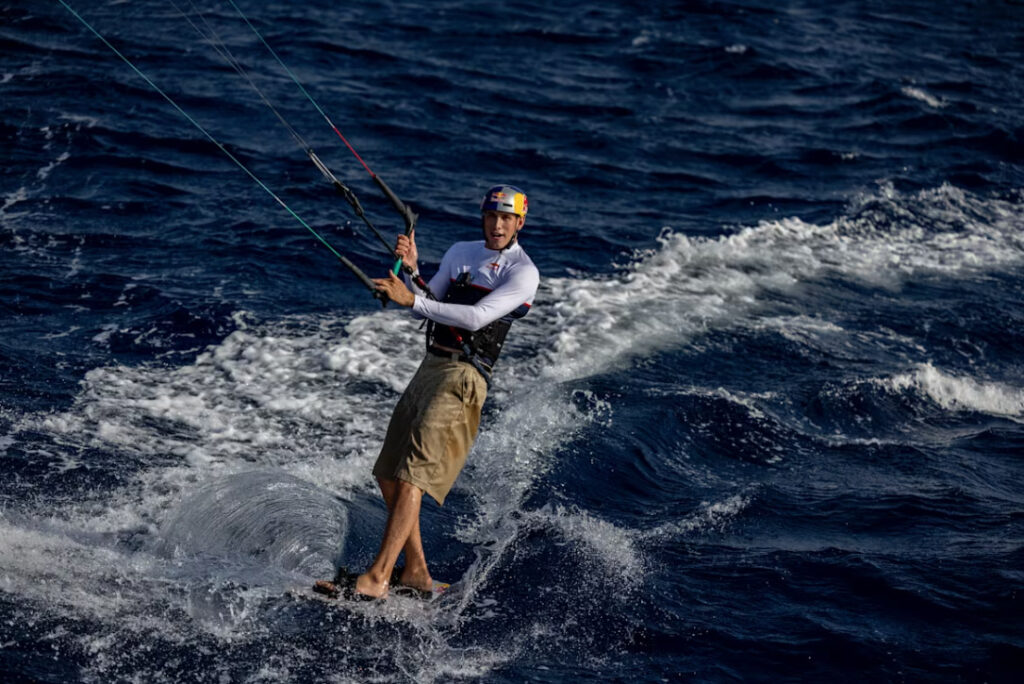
420, 579
368, 586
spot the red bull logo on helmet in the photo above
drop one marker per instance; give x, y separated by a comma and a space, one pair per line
505, 198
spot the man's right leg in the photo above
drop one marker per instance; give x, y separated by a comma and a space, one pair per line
415, 574
403, 518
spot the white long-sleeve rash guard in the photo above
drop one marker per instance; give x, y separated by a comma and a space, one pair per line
509, 278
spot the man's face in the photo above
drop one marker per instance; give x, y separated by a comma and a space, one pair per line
500, 227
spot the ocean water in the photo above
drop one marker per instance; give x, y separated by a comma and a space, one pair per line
765, 421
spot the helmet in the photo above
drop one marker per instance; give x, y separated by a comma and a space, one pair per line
506, 198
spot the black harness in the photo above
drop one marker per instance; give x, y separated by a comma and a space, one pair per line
480, 347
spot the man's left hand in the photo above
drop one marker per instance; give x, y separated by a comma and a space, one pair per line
395, 289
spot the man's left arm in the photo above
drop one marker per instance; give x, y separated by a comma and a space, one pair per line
519, 289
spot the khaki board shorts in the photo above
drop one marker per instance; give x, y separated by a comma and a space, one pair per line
433, 426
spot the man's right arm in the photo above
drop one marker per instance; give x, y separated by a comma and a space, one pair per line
438, 284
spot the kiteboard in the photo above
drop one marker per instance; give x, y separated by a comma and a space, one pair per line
343, 587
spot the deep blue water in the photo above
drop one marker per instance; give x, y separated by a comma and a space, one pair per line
765, 421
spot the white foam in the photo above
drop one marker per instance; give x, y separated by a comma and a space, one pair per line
19, 195
643, 39
711, 516
44, 173
603, 544
42, 562
245, 397
814, 332
666, 296
956, 393
88, 121
923, 96
550, 416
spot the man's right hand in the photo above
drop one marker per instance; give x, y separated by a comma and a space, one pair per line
405, 249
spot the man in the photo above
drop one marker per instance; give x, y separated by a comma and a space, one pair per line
481, 287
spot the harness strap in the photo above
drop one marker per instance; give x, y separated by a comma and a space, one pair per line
466, 356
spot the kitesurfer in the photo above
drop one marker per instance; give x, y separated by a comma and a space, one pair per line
480, 287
